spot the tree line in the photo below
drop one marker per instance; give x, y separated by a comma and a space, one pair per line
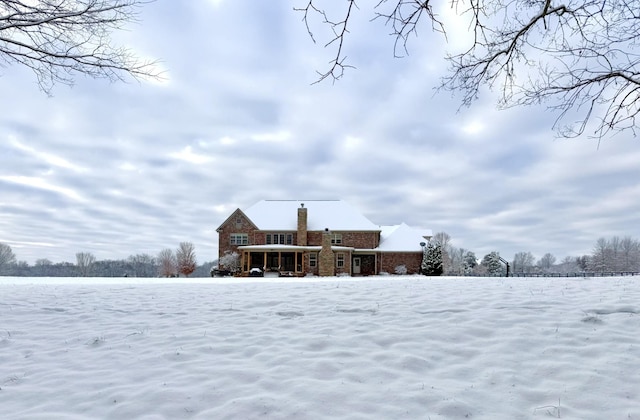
168, 263
440, 257
613, 255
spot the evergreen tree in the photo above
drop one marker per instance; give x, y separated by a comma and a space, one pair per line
470, 262
432, 260
492, 263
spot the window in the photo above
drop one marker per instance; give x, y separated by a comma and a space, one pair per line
239, 239
279, 238
313, 259
238, 222
340, 260
336, 239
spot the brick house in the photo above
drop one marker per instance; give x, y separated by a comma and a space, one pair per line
321, 237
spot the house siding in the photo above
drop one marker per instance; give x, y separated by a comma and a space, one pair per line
346, 269
390, 260
260, 237
307, 268
237, 223
359, 240
326, 257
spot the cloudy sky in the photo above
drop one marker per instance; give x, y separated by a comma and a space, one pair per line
126, 168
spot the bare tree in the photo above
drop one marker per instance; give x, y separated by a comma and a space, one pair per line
7, 256
630, 250
58, 39
85, 261
580, 57
143, 265
166, 263
601, 256
523, 262
456, 261
443, 238
546, 262
43, 262
568, 265
186, 258
615, 254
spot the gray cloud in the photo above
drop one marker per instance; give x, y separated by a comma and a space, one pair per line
120, 169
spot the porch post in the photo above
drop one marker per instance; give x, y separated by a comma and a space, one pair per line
295, 257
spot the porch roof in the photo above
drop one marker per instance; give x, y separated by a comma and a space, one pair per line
290, 248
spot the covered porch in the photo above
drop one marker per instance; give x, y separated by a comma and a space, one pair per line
364, 263
284, 260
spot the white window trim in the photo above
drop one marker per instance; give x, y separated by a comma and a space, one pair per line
275, 238
313, 259
239, 239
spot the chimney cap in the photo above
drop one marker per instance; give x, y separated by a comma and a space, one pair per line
301, 205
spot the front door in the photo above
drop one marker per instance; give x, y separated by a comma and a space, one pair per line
356, 265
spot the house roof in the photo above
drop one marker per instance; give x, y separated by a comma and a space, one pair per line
401, 238
335, 215
236, 213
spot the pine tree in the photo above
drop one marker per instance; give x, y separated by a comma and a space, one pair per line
469, 263
432, 260
492, 263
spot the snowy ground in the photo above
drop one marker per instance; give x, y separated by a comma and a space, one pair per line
380, 348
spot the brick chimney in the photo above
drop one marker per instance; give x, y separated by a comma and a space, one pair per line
326, 259
302, 225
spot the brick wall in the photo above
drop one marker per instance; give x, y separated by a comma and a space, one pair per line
347, 262
306, 267
237, 223
260, 237
389, 261
326, 257
363, 240
302, 227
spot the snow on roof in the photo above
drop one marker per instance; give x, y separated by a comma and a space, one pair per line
401, 238
336, 215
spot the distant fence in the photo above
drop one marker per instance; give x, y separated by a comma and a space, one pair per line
581, 274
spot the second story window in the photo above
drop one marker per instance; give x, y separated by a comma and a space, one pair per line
239, 239
336, 239
279, 238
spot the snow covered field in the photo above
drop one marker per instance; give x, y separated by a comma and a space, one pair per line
338, 348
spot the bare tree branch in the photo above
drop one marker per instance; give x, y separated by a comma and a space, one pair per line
404, 18
339, 28
58, 39
577, 56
